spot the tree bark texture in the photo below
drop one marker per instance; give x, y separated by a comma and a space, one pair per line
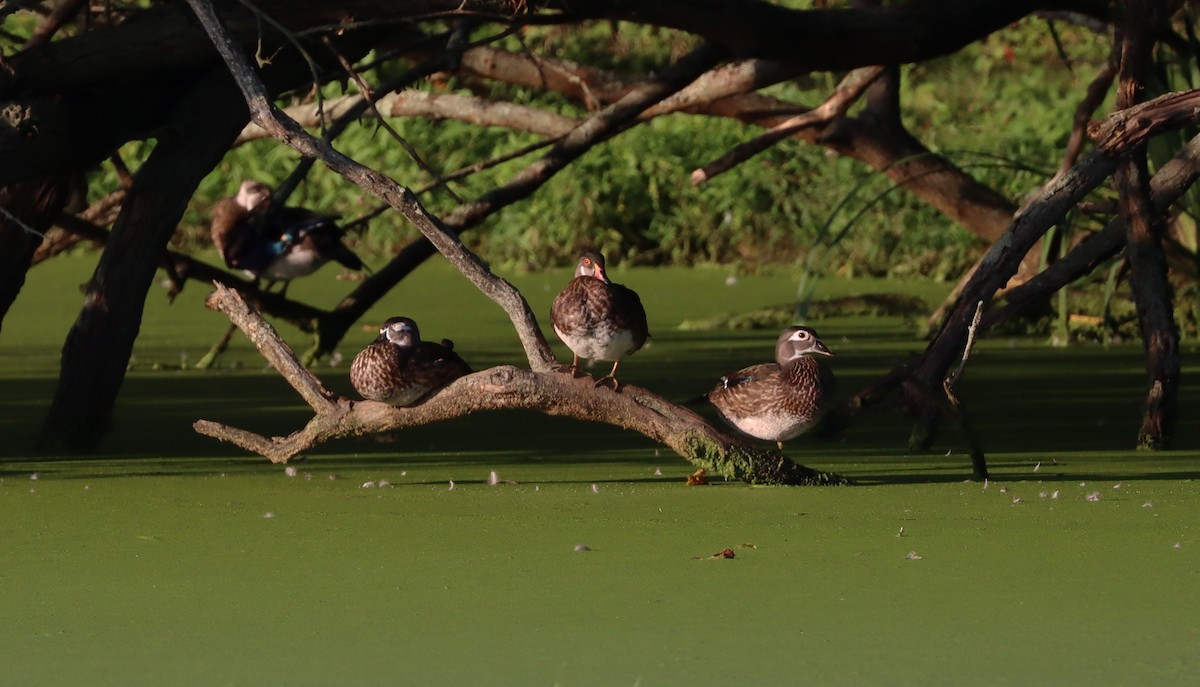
1144, 231
97, 349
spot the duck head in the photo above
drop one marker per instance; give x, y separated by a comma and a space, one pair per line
400, 331
591, 264
797, 342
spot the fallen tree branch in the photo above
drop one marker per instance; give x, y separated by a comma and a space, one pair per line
275, 350
498, 388
413, 103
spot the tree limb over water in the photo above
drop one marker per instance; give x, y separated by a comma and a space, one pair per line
499, 388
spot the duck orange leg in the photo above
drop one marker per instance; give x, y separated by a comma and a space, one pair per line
573, 367
612, 374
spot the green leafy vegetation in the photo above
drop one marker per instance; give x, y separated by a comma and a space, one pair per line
632, 199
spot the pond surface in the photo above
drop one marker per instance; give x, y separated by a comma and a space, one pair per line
169, 558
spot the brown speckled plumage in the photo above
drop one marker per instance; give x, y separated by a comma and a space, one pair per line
400, 369
780, 400
597, 319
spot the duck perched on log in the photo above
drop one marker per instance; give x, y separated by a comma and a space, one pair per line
598, 319
279, 245
780, 400
400, 369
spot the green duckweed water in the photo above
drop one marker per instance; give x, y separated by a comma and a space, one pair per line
171, 559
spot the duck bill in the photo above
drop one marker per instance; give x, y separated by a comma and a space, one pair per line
599, 273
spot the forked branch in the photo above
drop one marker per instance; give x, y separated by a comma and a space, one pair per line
497, 388
502, 387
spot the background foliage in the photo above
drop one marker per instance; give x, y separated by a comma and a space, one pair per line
632, 198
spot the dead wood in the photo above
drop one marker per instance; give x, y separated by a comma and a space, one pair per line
1124, 131
504, 387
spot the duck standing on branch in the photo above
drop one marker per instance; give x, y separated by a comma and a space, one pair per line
399, 369
597, 319
780, 400
279, 245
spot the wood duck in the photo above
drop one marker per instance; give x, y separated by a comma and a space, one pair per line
597, 319
780, 400
399, 369
286, 244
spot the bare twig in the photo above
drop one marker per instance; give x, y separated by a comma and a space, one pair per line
850, 88
599, 127
1122, 131
274, 349
952, 378
978, 461
286, 130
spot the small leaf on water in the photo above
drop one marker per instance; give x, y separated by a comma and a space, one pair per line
723, 553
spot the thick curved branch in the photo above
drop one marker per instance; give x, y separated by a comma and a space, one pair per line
1124, 129
499, 388
829, 39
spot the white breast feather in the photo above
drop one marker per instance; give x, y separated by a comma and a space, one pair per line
292, 265
772, 426
599, 346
